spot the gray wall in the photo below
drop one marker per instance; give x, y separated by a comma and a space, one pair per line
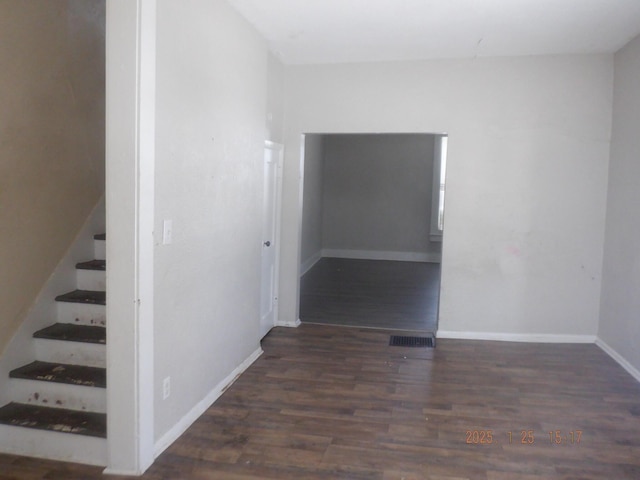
377, 196
312, 201
620, 302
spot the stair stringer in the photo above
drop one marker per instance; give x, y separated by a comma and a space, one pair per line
22, 347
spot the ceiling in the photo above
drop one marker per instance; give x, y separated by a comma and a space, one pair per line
338, 31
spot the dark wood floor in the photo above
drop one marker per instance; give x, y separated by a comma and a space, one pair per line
328, 402
371, 293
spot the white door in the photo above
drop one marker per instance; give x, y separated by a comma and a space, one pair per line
270, 247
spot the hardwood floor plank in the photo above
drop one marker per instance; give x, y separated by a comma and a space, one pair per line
371, 293
328, 402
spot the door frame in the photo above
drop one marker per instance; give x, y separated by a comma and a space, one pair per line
278, 149
300, 210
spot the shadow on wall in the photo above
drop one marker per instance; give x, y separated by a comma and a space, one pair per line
52, 140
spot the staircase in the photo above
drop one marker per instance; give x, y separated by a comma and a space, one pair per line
58, 401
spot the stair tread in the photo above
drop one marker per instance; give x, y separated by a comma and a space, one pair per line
62, 373
55, 419
84, 296
100, 265
73, 333
100, 236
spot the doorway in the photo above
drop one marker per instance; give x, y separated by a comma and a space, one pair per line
370, 251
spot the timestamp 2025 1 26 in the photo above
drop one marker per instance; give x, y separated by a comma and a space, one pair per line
524, 437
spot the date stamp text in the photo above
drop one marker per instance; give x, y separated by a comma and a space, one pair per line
523, 437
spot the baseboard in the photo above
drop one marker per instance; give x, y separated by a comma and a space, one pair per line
310, 262
633, 371
185, 422
289, 324
383, 255
517, 337
121, 473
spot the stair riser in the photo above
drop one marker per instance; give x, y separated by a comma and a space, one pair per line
64, 447
72, 353
81, 314
58, 395
100, 249
91, 279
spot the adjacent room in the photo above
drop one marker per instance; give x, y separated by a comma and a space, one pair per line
373, 211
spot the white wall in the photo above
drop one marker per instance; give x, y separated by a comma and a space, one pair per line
210, 133
620, 303
275, 98
526, 184
311, 248
129, 197
377, 196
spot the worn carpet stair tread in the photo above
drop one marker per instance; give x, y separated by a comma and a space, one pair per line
100, 236
84, 296
55, 419
62, 373
100, 265
73, 333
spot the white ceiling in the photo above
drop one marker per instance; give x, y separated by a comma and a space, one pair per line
336, 31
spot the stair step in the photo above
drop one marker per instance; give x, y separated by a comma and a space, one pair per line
54, 419
100, 246
73, 333
62, 373
51, 445
56, 395
81, 313
95, 280
100, 265
94, 297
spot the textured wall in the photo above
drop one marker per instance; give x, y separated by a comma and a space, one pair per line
211, 102
312, 198
620, 304
526, 177
377, 193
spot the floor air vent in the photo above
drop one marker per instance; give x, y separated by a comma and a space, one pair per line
402, 341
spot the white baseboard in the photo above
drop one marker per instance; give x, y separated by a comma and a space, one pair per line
289, 324
517, 337
383, 255
185, 422
310, 262
633, 371
121, 473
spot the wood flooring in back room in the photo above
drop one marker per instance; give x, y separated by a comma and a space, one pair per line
334, 403
371, 293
